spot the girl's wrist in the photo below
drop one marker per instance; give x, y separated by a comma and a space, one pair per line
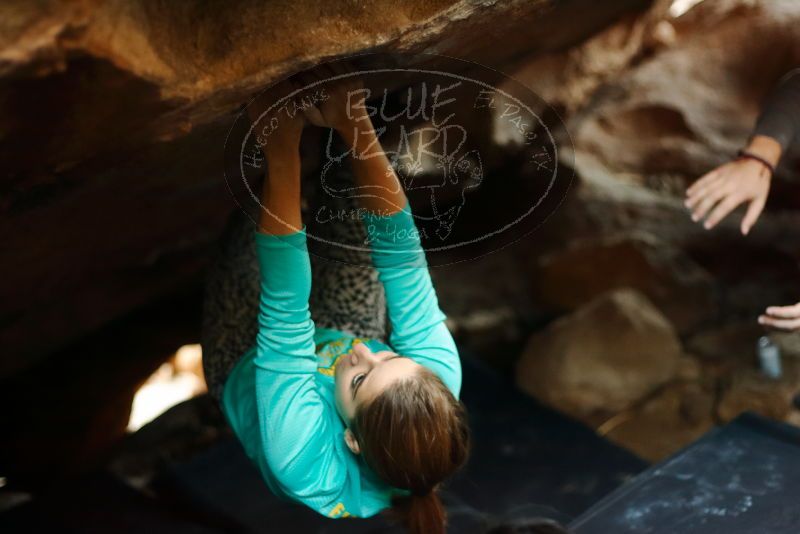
283, 163
282, 154
283, 141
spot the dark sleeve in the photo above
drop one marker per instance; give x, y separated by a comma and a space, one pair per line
780, 116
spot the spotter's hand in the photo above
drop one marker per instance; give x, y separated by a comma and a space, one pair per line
782, 317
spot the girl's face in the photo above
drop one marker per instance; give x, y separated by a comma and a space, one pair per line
361, 375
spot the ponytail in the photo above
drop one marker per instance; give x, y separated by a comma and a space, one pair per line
414, 435
421, 514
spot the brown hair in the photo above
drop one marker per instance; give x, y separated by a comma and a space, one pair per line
414, 435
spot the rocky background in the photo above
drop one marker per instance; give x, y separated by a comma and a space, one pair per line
619, 311
649, 321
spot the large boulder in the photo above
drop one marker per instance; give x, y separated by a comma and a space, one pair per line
605, 356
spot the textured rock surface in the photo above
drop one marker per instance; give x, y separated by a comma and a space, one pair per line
715, 81
585, 268
658, 94
111, 137
652, 103
728, 356
749, 390
114, 118
671, 419
605, 356
716, 383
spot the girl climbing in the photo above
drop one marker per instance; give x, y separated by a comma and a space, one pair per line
334, 413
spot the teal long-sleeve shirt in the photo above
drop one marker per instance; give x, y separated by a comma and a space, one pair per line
279, 399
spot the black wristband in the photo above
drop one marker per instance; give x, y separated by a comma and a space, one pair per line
744, 154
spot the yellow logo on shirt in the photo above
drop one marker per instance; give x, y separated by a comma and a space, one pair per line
334, 351
339, 511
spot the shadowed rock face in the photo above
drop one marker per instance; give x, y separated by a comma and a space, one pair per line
114, 117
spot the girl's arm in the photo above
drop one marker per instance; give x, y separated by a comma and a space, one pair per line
745, 180
344, 110
418, 328
374, 175
297, 443
280, 195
